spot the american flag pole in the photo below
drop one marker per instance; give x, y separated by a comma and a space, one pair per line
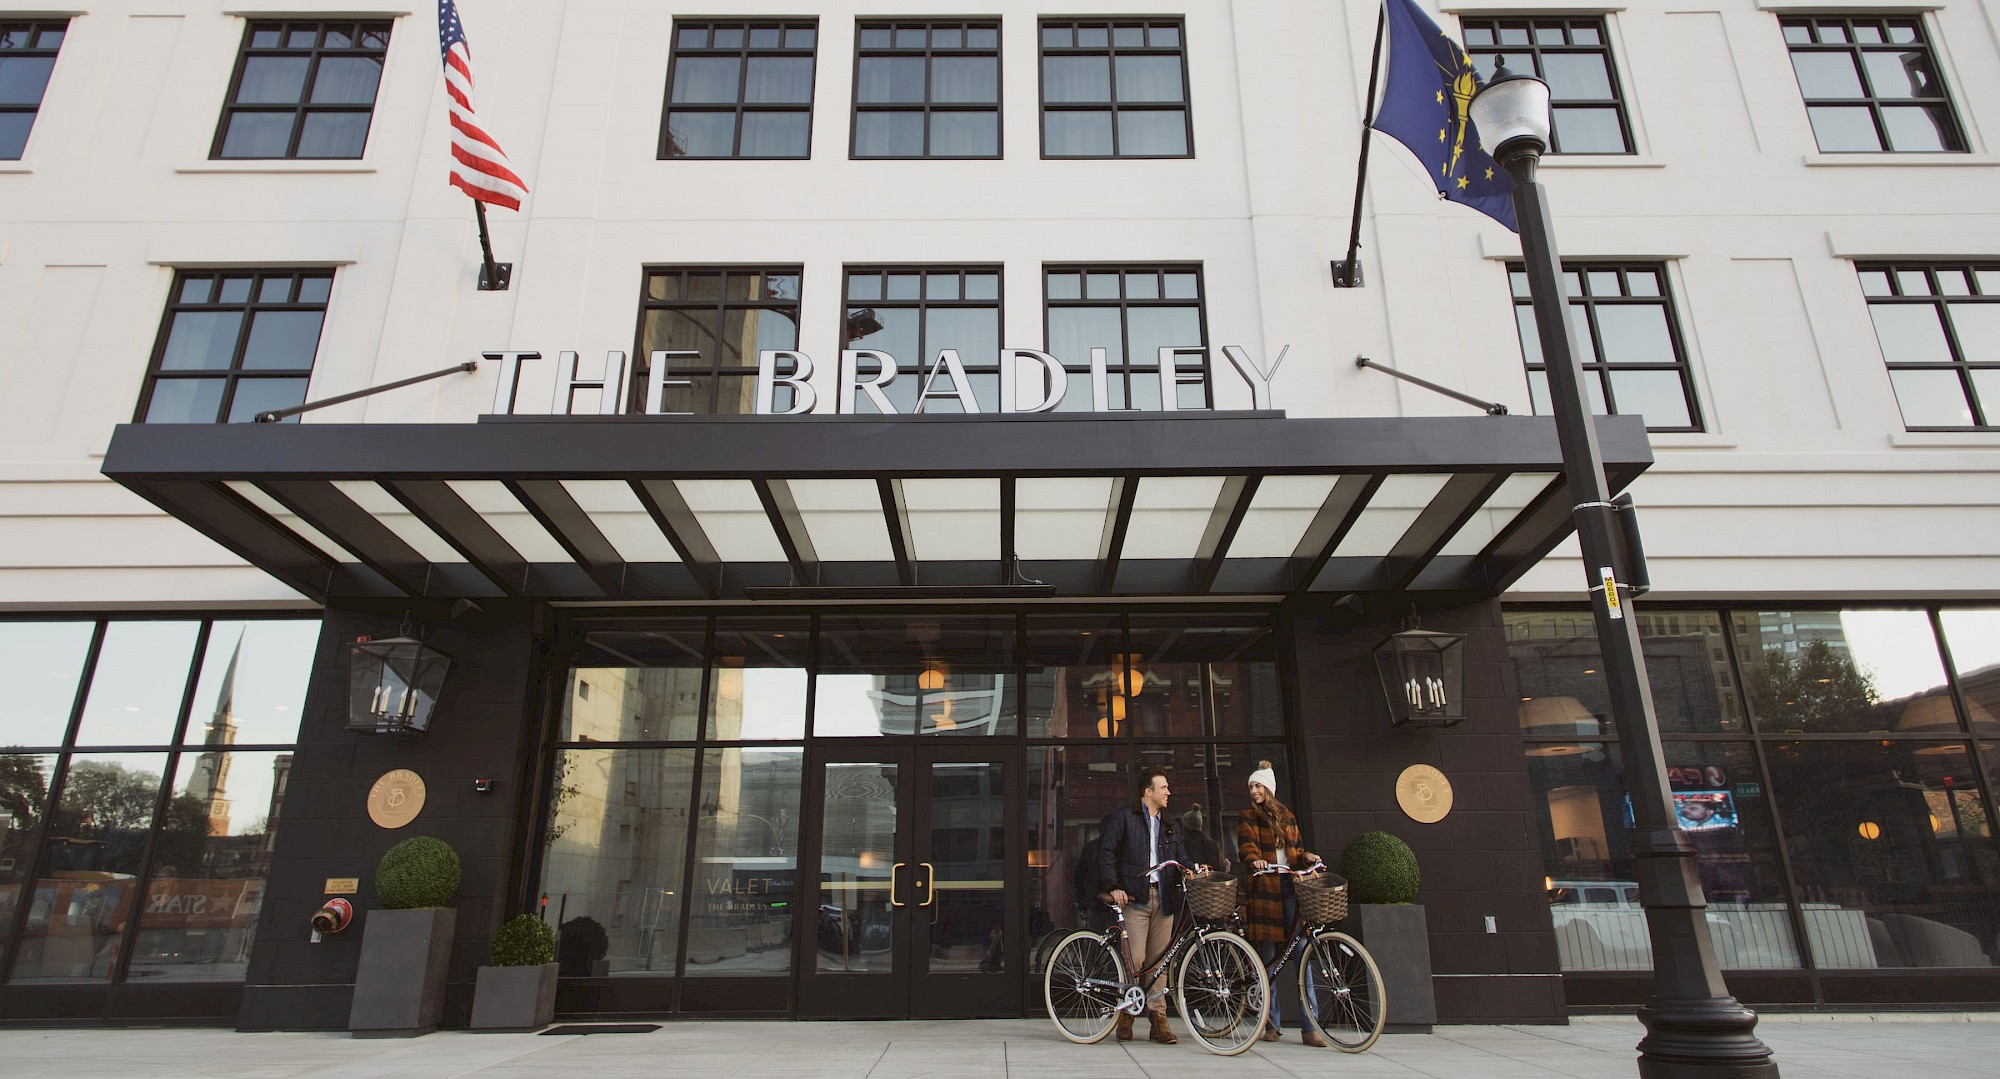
479, 167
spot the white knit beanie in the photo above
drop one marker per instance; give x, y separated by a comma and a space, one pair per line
1266, 776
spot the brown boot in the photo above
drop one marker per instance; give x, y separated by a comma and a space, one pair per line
1124, 1026
1160, 1032
1311, 1037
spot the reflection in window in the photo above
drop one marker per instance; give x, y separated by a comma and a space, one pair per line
40, 663
1628, 343
912, 313
1070, 791
1573, 56
1855, 671
27, 58
1074, 666
746, 862
927, 90
136, 688
234, 344
253, 683
945, 676
740, 90
1871, 84
87, 891
303, 90
757, 683
1131, 312
1939, 328
24, 798
638, 685
1563, 692
612, 868
1114, 90
717, 320
1974, 639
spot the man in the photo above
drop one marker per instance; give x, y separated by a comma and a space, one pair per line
1133, 841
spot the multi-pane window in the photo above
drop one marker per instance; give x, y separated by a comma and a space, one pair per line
724, 316
235, 343
303, 90
1628, 343
927, 90
1115, 89
1871, 84
1573, 57
740, 89
27, 56
913, 312
1131, 312
1939, 326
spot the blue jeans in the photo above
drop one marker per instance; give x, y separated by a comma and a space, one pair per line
1285, 987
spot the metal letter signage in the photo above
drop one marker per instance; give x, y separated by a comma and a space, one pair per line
785, 387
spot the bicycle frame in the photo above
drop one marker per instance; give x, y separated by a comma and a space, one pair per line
1132, 997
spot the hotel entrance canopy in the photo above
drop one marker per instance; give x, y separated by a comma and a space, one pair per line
634, 509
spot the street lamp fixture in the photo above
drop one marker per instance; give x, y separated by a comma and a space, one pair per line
1694, 1028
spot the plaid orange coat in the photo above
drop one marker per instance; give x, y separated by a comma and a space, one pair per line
1256, 840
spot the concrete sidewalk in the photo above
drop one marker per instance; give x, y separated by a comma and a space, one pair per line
1935, 1047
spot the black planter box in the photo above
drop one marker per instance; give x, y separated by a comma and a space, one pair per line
514, 998
1398, 936
399, 988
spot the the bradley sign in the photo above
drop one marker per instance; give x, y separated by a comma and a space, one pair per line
864, 374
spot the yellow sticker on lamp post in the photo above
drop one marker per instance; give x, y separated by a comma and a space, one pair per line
1611, 606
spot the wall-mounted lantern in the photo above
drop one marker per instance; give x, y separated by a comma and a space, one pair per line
393, 685
1423, 677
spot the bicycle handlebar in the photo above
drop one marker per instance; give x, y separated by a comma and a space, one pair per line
1317, 867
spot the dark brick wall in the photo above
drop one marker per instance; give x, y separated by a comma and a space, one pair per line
1482, 859
483, 729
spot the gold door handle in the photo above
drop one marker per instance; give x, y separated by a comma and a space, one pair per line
928, 884
893, 871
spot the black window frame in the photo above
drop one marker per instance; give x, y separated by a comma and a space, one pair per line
1111, 105
1985, 416
1576, 278
738, 108
929, 52
1122, 372
235, 374
1566, 28
36, 31
1882, 26
914, 367
713, 368
358, 30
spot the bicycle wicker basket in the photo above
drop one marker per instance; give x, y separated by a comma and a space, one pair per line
1211, 896
1323, 898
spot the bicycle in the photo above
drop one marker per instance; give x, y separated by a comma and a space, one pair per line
1219, 985
1340, 987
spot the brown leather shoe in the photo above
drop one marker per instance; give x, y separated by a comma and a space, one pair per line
1160, 1033
1124, 1026
1273, 1034
1311, 1037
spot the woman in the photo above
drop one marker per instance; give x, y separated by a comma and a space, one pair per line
1268, 835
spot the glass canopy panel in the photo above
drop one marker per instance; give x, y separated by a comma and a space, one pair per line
504, 513
954, 520
616, 512
397, 518
1060, 518
733, 517
1499, 511
1279, 515
256, 497
1395, 507
844, 519
1169, 515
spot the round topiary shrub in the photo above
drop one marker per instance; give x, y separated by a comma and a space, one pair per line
1380, 869
421, 871
525, 941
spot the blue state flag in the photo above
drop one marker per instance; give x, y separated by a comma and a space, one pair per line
1430, 85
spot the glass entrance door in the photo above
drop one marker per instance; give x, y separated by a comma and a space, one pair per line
909, 879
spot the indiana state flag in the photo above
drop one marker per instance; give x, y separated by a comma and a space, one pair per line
1430, 85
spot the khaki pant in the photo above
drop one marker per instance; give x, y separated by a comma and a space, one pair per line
1148, 930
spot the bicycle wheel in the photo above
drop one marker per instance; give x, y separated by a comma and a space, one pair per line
1340, 990
1223, 993
1082, 986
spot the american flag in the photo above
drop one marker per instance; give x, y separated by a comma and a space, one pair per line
478, 166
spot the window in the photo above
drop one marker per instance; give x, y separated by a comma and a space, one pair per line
303, 90
910, 313
1871, 84
27, 56
1114, 89
740, 90
1573, 57
1131, 312
725, 316
927, 90
235, 343
1939, 327
1628, 342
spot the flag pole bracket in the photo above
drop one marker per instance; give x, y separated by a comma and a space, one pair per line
1347, 273
495, 276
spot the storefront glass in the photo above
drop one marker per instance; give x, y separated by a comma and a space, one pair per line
615, 861
746, 860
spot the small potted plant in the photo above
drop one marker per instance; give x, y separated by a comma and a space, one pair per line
406, 942
517, 989
1382, 881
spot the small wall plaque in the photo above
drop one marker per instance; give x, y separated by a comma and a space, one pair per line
343, 885
1424, 793
396, 798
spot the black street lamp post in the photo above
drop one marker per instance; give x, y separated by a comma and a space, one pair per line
1694, 1028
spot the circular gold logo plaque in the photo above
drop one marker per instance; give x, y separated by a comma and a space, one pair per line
396, 798
1424, 793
